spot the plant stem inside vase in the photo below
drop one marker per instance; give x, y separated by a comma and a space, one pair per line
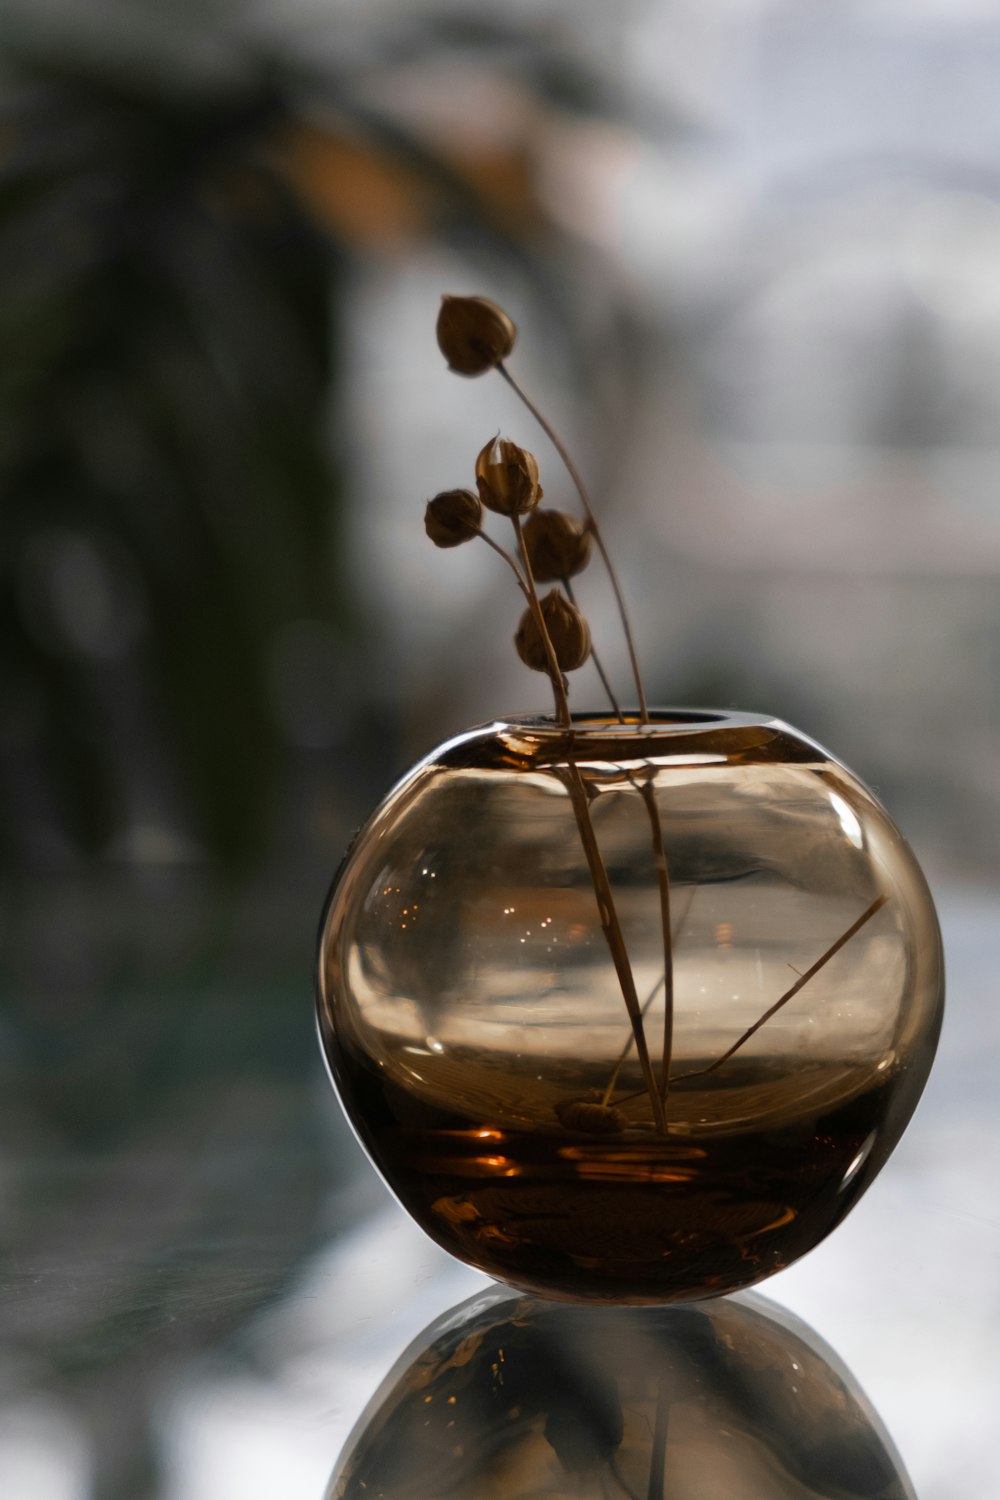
476, 336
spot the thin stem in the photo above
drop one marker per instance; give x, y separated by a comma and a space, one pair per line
614, 935
501, 552
598, 872
658, 1456
663, 883
581, 490
623, 1054
602, 888
627, 1048
619, 1479
605, 683
803, 979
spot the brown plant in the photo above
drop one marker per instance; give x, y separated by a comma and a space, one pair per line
553, 637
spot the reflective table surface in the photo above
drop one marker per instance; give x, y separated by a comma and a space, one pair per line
204, 1284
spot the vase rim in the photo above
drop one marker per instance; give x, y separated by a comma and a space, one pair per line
533, 741
683, 720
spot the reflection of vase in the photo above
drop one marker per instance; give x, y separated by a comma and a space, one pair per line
493, 999
515, 1398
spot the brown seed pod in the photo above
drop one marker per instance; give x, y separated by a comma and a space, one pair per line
507, 478
567, 629
590, 1116
453, 517
558, 545
473, 334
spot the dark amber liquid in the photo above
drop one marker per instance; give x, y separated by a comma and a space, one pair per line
636, 1216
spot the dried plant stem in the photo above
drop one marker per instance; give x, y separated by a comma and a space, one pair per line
608, 911
663, 883
616, 1475
581, 490
789, 994
615, 937
658, 1456
609, 1087
501, 552
666, 980
627, 1048
610, 921
659, 849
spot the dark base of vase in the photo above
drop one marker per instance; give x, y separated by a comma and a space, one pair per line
635, 1218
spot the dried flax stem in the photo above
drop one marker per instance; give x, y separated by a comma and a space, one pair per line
610, 921
501, 552
648, 796
606, 907
615, 938
581, 490
609, 1087
616, 1475
789, 994
663, 883
658, 1456
657, 987
475, 335
646, 790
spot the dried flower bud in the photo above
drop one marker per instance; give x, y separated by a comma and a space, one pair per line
558, 545
452, 518
567, 629
507, 478
473, 334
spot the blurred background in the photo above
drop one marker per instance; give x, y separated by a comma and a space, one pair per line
753, 250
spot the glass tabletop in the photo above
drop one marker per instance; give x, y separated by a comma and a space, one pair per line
204, 1283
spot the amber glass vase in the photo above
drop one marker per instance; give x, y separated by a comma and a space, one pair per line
629, 1011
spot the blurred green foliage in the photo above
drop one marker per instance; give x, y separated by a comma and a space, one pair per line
167, 492
177, 237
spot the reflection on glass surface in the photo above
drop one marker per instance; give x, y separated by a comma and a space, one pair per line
519, 1398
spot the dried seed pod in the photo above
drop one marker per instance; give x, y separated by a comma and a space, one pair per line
473, 334
567, 629
558, 545
507, 478
590, 1115
453, 517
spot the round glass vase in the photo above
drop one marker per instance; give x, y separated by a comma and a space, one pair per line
629, 1011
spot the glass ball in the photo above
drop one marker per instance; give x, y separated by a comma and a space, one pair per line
629, 1011
514, 1398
